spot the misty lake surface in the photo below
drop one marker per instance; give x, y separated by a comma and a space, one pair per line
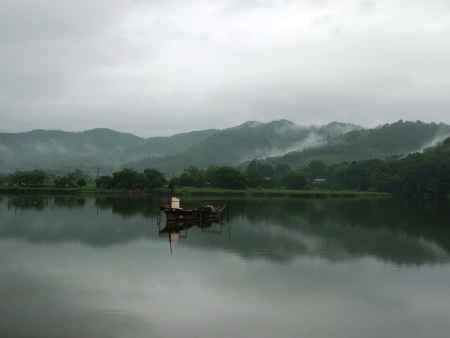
80, 267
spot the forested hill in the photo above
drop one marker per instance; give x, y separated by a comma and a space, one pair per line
425, 174
110, 150
54, 149
279, 141
251, 140
391, 140
87, 150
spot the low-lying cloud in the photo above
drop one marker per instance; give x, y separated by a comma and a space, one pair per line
158, 67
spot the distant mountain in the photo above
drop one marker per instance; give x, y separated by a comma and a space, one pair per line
159, 147
396, 139
53, 149
248, 141
280, 141
105, 148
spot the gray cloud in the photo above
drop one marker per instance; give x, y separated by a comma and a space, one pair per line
156, 67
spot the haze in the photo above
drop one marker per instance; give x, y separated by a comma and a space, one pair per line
160, 67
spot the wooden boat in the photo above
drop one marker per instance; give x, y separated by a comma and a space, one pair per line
203, 216
179, 220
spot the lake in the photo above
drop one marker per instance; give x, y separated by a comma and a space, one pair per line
80, 267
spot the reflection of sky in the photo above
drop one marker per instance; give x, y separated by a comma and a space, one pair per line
274, 232
220, 294
68, 272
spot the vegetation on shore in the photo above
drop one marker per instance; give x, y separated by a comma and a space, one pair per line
272, 193
187, 192
418, 175
424, 174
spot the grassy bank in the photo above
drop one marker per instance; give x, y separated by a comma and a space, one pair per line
275, 193
187, 192
55, 190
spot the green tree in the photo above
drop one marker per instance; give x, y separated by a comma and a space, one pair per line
317, 169
28, 178
104, 182
295, 180
81, 182
153, 179
259, 174
192, 177
75, 179
3, 180
128, 179
281, 170
65, 182
225, 177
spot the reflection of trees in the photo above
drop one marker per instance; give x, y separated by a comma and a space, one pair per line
428, 221
129, 206
65, 223
69, 201
384, 228
274, 229
124, 206
24, 202
95, 234
40, 202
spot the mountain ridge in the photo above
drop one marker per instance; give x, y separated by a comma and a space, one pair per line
278, 141
392, 139
250, 140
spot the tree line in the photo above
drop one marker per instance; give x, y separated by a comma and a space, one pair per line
416, 175
126, 179
40, 178
425, 174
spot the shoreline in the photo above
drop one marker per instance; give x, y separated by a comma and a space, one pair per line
277, 193
187, 192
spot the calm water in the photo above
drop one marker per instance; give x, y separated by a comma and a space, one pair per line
86, 267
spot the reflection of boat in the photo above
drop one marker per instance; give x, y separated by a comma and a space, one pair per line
179, 220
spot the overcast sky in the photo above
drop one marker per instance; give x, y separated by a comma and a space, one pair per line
157, 67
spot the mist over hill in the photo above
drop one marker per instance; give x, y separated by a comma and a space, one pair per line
250, 140
88, 150
279, 141
390, 140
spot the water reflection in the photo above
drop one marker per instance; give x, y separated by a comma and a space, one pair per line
177, 221
27, 202
274, 229
175, 231
98, 267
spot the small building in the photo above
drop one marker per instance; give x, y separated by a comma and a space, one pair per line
175, 203
319, 181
